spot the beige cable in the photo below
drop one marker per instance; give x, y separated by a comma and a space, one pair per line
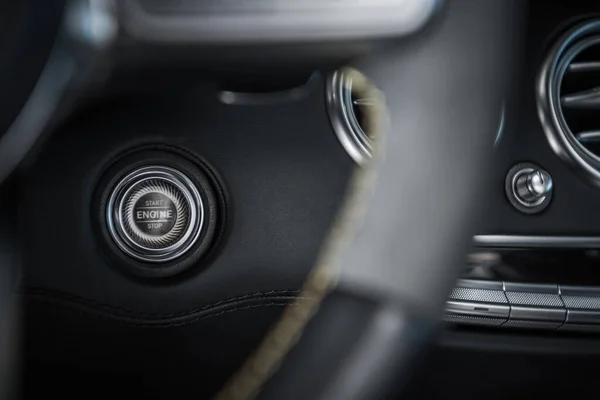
265, 361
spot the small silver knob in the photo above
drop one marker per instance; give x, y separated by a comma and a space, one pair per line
529, 188
532, 186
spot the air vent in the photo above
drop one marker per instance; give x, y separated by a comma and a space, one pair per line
569, 99
353, 105
356, 109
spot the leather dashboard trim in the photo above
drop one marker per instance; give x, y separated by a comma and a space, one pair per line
94, 308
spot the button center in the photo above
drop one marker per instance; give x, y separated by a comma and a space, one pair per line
155, 214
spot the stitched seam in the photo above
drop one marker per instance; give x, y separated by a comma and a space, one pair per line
54, 294
105, 318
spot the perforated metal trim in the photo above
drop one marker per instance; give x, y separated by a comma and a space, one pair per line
530, 306
534, 299
582, 302
480, 295
479, 321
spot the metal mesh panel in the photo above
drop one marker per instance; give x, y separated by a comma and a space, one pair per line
582, 302
534, 299
480, 295
468, 320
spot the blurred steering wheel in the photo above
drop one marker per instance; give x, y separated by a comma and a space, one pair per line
385, 271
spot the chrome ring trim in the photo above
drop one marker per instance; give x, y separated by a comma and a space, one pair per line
116, 204
355, 141
560, 137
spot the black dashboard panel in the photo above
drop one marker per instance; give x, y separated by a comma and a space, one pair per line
573, 210
283, 173
280, 164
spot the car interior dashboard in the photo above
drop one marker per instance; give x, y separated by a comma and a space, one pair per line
166, 171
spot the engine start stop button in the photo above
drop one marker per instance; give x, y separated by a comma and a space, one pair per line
155, 214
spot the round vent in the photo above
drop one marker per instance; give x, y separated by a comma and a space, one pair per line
569, 99
356, 107
353, 105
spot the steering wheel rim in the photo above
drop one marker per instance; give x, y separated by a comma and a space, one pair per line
432, 85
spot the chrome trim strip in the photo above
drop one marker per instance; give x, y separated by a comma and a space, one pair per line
531, 241
477, 309
584, 317
538, 314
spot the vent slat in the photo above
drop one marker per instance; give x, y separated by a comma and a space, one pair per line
585, 99
584, 66
588, 136
365, 101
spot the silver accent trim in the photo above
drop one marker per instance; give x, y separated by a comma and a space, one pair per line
515, 190
583, 317
589, 98
584, 66
548, 288
588, 136
339, 91
116, 210
531, 241
528, 188
537, 314
580, 291
356, 139
500, 126
561, 139
529, 305
477, 309
270, 21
